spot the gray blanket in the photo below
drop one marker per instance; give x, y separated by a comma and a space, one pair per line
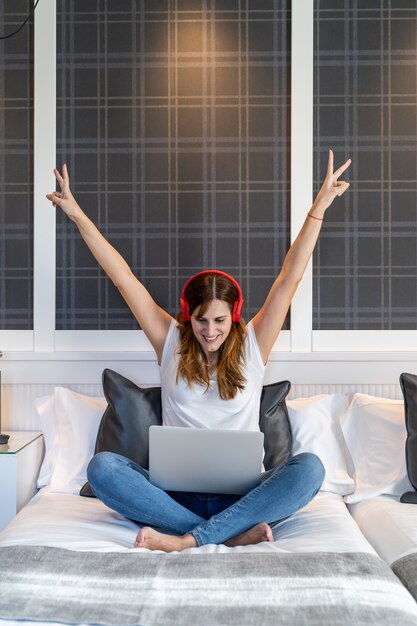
323, 589
406, 570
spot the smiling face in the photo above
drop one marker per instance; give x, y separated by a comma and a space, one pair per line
212, 327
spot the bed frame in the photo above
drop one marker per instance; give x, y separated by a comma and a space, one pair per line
29, 375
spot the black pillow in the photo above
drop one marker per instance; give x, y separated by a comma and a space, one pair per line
275, 425
132, 410
408, 384
125, 424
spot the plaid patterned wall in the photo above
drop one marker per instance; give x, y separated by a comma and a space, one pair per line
173, 117
16, 169
365, 106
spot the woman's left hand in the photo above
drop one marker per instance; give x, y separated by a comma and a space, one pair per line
331, 186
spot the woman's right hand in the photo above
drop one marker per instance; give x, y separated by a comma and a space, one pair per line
64, 198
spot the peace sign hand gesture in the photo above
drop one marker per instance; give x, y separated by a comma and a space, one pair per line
331, 186
64, 198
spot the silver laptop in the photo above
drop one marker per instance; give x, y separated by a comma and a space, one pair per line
204, 460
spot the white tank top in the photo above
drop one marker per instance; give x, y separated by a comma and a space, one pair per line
200, 407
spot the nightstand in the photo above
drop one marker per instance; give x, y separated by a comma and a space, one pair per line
20, 460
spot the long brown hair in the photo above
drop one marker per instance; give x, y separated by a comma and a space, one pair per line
193, 364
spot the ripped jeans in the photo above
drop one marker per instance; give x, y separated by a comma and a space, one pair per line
211, 518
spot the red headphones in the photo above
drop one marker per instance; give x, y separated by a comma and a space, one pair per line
237, 306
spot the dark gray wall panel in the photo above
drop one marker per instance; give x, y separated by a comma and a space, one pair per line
365, 107
16, 169
173, 118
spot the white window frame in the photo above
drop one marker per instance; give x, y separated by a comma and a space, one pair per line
300, 339
41, 338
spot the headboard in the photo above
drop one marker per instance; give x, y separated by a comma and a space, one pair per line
26, 376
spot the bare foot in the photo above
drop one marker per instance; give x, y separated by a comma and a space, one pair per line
153, 540
260, 532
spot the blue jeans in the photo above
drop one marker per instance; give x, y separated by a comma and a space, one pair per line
211, 518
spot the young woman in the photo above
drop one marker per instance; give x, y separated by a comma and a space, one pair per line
212, 368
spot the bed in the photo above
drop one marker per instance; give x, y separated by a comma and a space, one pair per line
69, 559
391, 527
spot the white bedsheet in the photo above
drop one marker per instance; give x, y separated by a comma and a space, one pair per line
388, 524
77, 523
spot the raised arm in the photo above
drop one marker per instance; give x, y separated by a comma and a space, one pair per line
153, 320
269, 320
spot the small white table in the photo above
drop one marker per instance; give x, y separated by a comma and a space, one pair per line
20, 460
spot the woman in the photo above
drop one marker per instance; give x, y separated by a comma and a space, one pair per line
212, 367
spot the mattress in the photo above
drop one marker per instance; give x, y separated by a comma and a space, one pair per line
77, 523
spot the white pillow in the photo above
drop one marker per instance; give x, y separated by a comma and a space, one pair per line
375, 432
78, 421
45, 408
315, 426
